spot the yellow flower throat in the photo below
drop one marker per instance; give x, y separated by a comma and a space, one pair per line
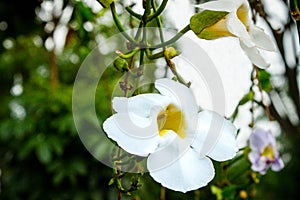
220, 28
171, 118
268, 152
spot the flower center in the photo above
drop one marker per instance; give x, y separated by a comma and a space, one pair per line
242, 14
217, 30
268, 152
171, 118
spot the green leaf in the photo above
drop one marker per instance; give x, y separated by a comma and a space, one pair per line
205, 19
105, 3
112, 180
44, 153
28, 147
265, 80
79, 167
246, 98
238, 171
229, 192
58, 178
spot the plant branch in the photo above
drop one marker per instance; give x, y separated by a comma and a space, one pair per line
158, 22
154, 56
159, 10
119, 25
131, 12
162, 193
176, 74
129, 54
172, 40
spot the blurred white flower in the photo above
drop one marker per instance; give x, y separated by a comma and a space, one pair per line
238, 23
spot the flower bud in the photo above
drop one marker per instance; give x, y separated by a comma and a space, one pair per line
121, 64
210, 24
171, 52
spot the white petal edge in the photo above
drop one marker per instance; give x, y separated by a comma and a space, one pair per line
261, 39
143, 105
221, 5
237, 28
254, 56
216, 137
140, 146
189, 172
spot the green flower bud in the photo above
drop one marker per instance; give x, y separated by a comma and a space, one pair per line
105, 3
210, 24
121, 64
171, 52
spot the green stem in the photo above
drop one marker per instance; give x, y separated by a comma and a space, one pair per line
159, 10
143, 24
172, 40
154, 56
176, 74
119, 25
131, 12
148, 9
128, 55
294, 6
158, 22
139, 31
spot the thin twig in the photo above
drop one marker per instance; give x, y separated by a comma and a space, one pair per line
162, 193
172, 40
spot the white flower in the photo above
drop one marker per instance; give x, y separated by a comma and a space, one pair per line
177, 139
238, 23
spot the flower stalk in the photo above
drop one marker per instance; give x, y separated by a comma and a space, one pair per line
119, 24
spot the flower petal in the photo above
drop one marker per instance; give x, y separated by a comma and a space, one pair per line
221, 5
189, 172
143, 105
277, 165
259, 139
259, 166
216, 137
254, 55
261, 39
181, 96
254, 156
128, 137
237, 28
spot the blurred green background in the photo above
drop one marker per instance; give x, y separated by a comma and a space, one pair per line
41, 155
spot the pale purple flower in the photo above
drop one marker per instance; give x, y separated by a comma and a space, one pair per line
263, 152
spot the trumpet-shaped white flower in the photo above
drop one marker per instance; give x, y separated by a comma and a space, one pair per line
238, 23
177, 139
